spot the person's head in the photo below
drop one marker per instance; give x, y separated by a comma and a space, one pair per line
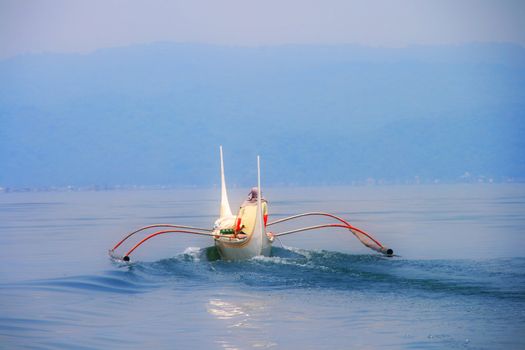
254, 193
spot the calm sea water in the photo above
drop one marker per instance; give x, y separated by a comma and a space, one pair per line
458, 280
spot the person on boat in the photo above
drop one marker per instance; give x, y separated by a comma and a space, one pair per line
245, 222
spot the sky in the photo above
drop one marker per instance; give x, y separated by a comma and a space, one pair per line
34, 26
431, 112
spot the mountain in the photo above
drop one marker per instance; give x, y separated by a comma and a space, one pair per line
155, 114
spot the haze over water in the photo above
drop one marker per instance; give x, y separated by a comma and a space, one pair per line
111, 94
458, 280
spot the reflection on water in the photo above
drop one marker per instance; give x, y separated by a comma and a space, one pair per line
459, 281
244, 322
224, 311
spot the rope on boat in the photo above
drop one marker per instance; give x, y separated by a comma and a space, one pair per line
158, 225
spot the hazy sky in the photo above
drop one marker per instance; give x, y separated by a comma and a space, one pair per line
81, 26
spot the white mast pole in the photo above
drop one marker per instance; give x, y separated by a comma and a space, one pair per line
225, 204
259, 200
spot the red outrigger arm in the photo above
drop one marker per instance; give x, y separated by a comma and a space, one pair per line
363, 236
126, 256
194, 231
159, 225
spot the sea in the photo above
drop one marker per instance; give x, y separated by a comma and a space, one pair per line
457, 280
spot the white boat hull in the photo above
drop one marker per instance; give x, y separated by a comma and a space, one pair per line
256, 242
244, 249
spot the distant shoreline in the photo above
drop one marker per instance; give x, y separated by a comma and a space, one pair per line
364, 183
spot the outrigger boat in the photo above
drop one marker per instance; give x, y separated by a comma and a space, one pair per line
244, 236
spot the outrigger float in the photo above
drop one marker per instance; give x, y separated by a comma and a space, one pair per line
244, 236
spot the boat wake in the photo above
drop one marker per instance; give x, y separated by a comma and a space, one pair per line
292, 268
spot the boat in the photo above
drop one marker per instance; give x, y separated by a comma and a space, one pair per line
245, 235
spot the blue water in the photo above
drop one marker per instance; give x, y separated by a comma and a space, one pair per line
458, 280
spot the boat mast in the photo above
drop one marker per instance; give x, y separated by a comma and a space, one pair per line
259, 201
225, 204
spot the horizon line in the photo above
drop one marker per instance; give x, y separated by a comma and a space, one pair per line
255, 46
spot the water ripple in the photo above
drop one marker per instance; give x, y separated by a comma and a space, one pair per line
290, 268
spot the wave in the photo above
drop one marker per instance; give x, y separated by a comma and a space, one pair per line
110, 283
291, 268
